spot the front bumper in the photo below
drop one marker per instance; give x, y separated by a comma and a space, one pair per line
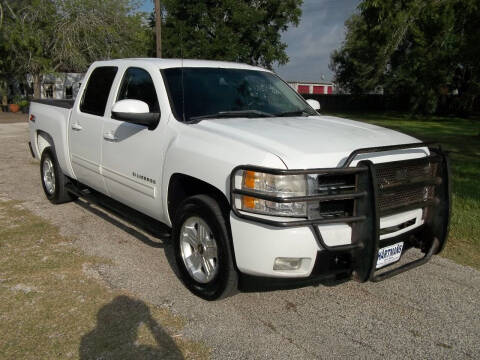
259, 240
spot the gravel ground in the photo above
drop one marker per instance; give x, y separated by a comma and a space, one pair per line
430, 312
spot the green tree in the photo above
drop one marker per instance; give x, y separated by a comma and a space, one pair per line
234, 30
45, 36
90, 30
27, 38
419, 49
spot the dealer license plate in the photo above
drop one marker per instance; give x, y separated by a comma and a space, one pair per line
389, 254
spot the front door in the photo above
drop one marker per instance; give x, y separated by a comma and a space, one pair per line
132, 159
86, 125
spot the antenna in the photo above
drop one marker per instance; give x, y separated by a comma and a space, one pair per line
183, 87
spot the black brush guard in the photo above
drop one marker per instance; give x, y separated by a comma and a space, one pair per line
360, 257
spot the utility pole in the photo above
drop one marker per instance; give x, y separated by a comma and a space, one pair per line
158, 27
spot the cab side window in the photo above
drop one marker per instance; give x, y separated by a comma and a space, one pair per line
96, 93
137, 84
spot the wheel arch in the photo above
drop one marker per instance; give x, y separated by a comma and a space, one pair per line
44, 140
182, 186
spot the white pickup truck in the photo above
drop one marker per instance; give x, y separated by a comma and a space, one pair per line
256, 185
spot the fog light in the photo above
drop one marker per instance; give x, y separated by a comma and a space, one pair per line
284, 263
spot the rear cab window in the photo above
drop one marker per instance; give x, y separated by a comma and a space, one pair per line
95, 97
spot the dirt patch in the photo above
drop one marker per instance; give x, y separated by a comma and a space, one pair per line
11, 118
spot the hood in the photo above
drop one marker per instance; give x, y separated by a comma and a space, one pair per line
306, 142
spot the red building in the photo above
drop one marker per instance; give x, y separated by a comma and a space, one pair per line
306, 87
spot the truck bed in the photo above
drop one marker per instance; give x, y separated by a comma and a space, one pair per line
66, 104
49, 127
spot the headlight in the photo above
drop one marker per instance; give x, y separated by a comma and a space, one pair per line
274, 185
317, 195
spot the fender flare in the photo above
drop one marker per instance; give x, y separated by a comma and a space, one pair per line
44, 140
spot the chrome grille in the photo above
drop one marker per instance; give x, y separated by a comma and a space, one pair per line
400, 171
405, 184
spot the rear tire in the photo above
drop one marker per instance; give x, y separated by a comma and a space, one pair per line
53, 179
202, 248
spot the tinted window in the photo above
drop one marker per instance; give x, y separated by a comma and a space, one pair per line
137, 84
214, 90
98, 88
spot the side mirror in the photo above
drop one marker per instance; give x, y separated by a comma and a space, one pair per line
314, 104
136, 112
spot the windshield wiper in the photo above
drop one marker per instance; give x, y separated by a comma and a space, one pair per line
294, 113
228, 114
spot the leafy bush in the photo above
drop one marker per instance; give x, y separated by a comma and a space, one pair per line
23, 103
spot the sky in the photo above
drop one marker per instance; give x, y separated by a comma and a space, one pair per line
321, 30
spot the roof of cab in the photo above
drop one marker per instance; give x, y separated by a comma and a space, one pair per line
170, 63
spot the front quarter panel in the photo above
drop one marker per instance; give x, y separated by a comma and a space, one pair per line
209, 157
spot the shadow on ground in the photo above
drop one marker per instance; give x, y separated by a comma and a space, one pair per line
116, 334
104, 207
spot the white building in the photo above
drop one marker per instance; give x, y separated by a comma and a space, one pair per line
59, 86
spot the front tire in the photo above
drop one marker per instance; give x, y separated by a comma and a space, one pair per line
53, 179
203, 252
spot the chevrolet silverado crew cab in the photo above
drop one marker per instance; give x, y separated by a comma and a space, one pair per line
255, 184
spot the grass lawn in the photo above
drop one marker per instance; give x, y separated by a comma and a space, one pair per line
461, 137
54, 306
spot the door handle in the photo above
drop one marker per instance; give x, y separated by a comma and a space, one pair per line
77, 127
109, 136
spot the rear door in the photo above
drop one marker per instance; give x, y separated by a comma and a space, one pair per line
86, 125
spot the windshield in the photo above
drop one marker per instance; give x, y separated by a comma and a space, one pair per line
219, 92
